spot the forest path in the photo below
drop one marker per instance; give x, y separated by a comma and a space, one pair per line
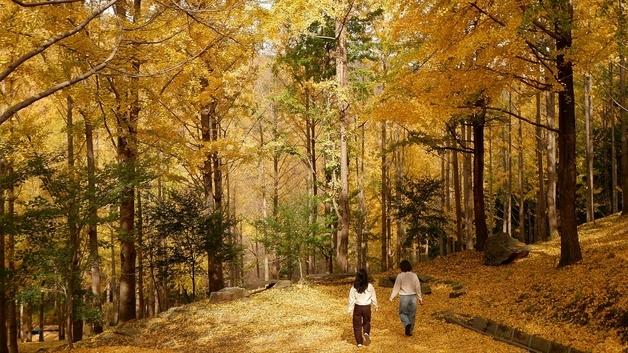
309, 318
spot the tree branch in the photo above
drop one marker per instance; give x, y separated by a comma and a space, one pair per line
54, 39
9, 112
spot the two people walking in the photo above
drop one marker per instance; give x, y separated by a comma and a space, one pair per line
362, 297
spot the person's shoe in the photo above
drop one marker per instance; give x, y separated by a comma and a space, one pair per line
359, 345
367, 339
408, 330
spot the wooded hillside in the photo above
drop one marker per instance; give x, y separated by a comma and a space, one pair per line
152, 152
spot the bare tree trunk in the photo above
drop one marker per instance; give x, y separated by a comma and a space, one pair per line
588, 117
569, 245
552, 178
12, 305
4, 348
140, 256
27, 322
92, 221
611, 117
623, 114
467, 134
127, 156
42, 305
343, 107
384, 199
481, 230
457, 196
541, 216
522, 200
114, 285
362, 240
508, 160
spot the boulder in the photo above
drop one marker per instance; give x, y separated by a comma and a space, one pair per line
387, 281
502, 249
280, 284
228, 294
425, 288
457, 293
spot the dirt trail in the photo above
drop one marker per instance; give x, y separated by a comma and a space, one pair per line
299, 319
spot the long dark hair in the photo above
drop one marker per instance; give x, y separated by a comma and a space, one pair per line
361, 281
405, 266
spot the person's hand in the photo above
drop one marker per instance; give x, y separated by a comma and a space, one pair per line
421, 301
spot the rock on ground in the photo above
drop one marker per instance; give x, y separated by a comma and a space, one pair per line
502, 249
228, 294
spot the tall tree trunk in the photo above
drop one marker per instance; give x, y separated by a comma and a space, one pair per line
623, 114
467, 133
457, 196
217, 276
42, 305
343, 107
362, 221
588, 117
443, 178
27, 322
92, 221
541, 216
140, 256
114, 284
384, 199
481, 230
75, 323
569, 244
12, 305
522, 200
127, 157
552, 178
611, 117
508, 161
4, 348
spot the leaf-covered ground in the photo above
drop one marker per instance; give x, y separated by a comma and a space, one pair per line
300, 319
582, 305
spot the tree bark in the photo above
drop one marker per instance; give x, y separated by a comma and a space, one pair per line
92, 221
343, 107
4, 348
611, 117
541, 216
27, 322
481, 230
569, 245
12, 305
42, 305
467, 133
457, 196
522, 200
75, 323
508, 161
384, 199
140, 257
623, 114
588, 116
552, 178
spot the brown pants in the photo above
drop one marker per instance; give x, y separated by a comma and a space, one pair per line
361, 321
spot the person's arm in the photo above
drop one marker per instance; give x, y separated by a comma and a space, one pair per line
352, 298
396, 288
418, 290
374, 297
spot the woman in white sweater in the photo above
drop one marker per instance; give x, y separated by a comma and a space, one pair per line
408, 286
361, 297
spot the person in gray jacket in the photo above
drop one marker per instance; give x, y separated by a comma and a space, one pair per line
408, 286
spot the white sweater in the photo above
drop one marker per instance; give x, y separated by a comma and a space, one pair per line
366, 298
407, 283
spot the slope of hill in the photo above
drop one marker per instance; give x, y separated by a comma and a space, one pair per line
583, 306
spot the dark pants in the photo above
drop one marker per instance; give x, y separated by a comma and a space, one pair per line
361, 321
